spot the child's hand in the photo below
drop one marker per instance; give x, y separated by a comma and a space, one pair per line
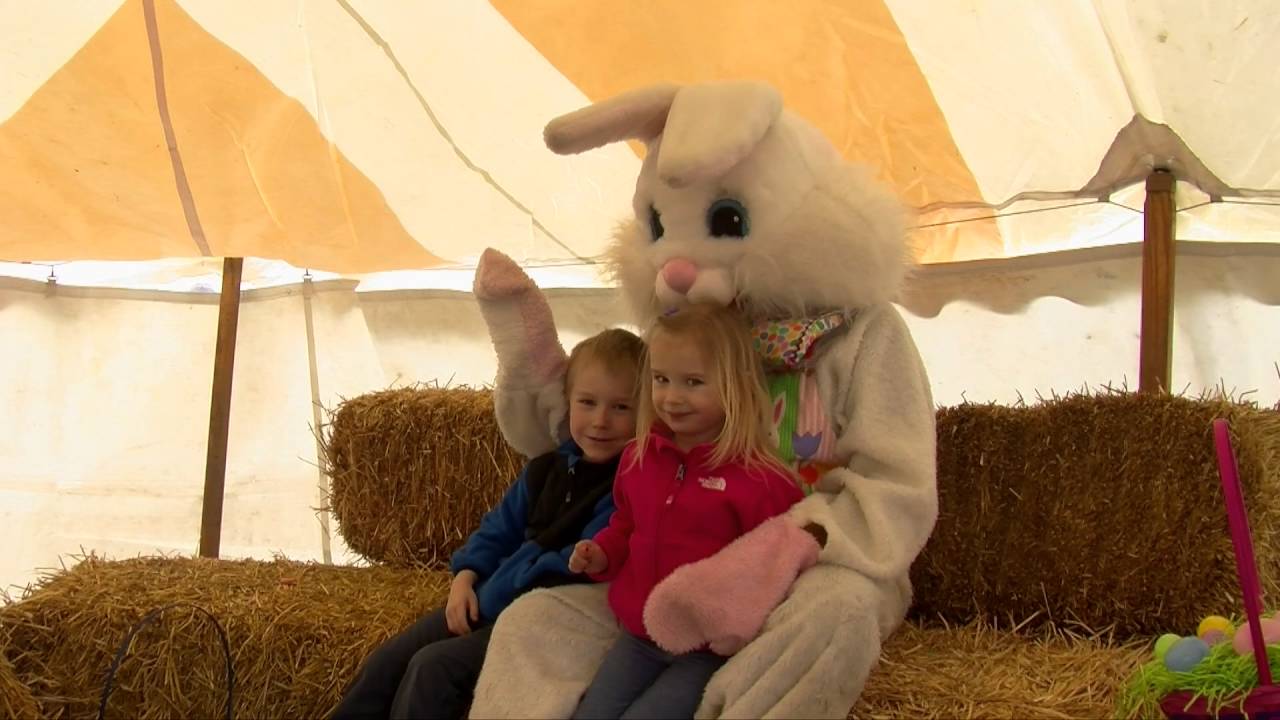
462, 605
588, 557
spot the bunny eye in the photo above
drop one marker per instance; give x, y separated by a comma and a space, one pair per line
655, 223
728, 218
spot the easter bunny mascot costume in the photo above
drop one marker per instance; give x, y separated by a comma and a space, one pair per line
742, 202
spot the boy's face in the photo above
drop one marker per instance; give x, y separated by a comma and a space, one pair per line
602, 411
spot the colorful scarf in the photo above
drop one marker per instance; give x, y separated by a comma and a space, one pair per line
788, 344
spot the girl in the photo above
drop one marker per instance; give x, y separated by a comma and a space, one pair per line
700, 474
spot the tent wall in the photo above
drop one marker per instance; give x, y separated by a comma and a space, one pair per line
104, 435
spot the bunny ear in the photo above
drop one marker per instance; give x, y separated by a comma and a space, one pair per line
712, 127
636, 115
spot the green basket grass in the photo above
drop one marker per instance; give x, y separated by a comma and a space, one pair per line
1222, 677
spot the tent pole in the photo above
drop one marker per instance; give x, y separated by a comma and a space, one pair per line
224, 355
1155, 360
322, 481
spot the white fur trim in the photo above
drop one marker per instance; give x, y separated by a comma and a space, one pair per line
885, 501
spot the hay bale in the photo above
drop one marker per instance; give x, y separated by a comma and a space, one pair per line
297, 633
1106, 510
979, 671
1102, 509
414, 469
16, 698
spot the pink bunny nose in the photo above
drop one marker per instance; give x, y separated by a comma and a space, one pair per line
679, 274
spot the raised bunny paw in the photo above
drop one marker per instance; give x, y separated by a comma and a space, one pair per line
529, 388
498, 277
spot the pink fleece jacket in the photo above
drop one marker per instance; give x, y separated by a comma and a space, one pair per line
674, 508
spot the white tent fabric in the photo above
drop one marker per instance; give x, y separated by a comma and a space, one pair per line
478, 174
104, 436
378, 147
362, 136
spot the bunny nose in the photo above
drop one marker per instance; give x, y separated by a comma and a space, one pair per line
679, 274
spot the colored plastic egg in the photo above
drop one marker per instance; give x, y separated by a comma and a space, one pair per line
1213, 637
1214, 622
1186, 654
1243, 640
1165, 642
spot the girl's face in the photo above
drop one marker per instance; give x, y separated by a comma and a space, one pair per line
685, 394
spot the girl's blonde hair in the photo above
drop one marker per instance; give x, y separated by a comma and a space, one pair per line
724, 339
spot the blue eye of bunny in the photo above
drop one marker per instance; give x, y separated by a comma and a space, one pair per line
655, 223
728, 218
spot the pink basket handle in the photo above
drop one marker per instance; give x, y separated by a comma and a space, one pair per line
1246, 564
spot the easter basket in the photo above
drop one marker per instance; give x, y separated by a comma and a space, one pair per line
1224, 670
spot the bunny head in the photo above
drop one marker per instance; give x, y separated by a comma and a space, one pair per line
741, 201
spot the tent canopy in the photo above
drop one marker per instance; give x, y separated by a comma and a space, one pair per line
356, 137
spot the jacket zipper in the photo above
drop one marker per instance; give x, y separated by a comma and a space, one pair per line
671, 498
679, 481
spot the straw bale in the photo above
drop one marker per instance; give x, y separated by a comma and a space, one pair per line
1101, 509
981, 671
1104, 509
16, 699
297, 633
414, 469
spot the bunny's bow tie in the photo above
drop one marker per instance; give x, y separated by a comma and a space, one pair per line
789, 344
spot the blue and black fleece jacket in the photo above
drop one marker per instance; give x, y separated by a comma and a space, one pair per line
525, 542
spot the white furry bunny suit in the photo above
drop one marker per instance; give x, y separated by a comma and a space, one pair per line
740, 201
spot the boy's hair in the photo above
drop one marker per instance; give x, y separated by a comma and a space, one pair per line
724, 338
619, 351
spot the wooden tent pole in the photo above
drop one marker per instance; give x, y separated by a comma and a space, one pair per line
1155, 359
224, 355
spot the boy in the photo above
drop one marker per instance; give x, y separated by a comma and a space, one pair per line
430, 669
